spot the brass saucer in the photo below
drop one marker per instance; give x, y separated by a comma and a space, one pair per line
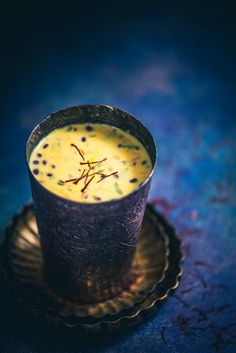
156, 269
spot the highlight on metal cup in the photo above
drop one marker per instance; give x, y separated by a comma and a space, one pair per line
88, 248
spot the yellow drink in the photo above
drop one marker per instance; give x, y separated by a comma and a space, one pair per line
90, 162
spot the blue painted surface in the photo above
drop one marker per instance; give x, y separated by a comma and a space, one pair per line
175, 71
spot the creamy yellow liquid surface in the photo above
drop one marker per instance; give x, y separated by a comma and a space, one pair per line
90, 162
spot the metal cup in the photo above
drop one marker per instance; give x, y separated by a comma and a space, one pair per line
88, 248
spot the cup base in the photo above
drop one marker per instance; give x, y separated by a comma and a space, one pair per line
80, 293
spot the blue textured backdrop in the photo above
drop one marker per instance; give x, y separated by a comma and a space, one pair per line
173, 67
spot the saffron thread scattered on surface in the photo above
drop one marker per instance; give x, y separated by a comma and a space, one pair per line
95, 162
80, 152
87, 184
104, 176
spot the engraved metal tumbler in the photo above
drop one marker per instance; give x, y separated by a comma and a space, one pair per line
88, 248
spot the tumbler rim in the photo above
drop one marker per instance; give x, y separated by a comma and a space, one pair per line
95, 204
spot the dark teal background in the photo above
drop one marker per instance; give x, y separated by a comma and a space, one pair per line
173, 66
